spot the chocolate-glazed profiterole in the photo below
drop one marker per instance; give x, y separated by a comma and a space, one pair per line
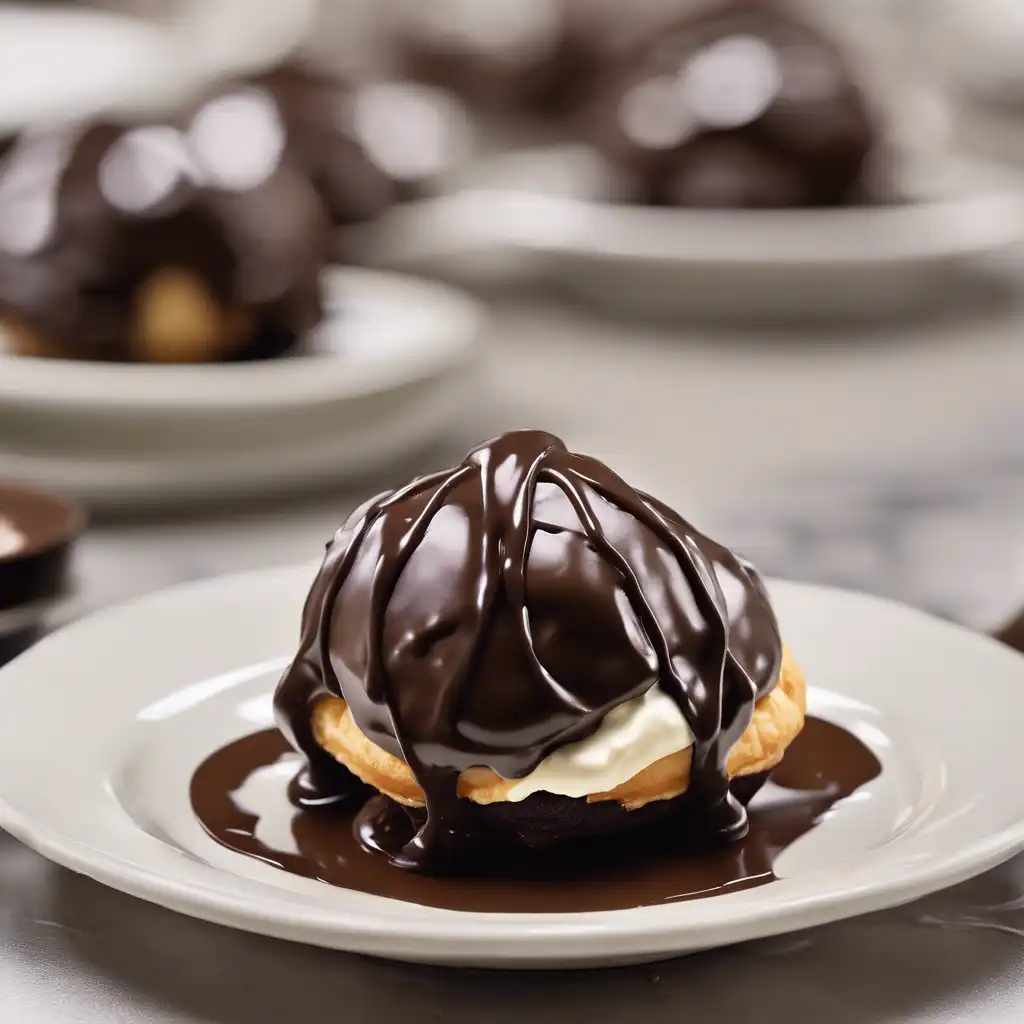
160, 243
740, 107
530, 57
367, 145
466, 628
316, 109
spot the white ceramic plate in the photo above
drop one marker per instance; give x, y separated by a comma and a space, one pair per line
63, 62
540, 207
389, 368
102, 725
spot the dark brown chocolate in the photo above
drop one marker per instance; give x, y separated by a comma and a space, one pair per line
493, 612
507, 56
642, 865
36, 533
92, 216
741, 107
366, 145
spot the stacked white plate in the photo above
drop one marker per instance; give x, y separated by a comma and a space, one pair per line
388, 369
541, 213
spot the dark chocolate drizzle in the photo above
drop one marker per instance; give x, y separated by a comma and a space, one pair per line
490, 613
644, 858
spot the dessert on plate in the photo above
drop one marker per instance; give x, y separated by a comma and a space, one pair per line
367, 145
742, 105
161, 243
527, 57
525, 650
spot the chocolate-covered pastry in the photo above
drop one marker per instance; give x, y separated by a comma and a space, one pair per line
741, 107
161, 243
516, 56
367, 145
524, 647
317, 110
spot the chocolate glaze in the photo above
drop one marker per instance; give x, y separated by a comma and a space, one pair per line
89, 213
490, 613
317, 112
637, 868
741, 107
507, 56
366, 145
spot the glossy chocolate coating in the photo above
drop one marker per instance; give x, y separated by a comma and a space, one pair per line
493, 612
742, 107
508, 56
317, 111
366, 145
89, 214
638, 862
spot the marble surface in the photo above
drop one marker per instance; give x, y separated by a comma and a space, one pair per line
890, 460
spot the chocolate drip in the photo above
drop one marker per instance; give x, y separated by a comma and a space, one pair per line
491, 613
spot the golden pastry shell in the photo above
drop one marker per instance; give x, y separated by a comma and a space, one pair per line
777, 720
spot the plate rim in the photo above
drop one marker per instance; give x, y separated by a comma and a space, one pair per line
454, 935
579, 227
100, 480
30, 385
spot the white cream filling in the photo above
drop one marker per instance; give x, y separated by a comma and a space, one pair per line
630, 738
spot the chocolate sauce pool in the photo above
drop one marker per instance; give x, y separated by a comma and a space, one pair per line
636, 868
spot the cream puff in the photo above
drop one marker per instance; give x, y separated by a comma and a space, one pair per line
525, 648
161, 243
740, 106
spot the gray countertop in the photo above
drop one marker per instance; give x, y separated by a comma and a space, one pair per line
891, 460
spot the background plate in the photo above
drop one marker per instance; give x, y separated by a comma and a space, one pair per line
539, 213
389, 368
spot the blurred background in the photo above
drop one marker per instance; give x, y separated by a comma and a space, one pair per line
262, 258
